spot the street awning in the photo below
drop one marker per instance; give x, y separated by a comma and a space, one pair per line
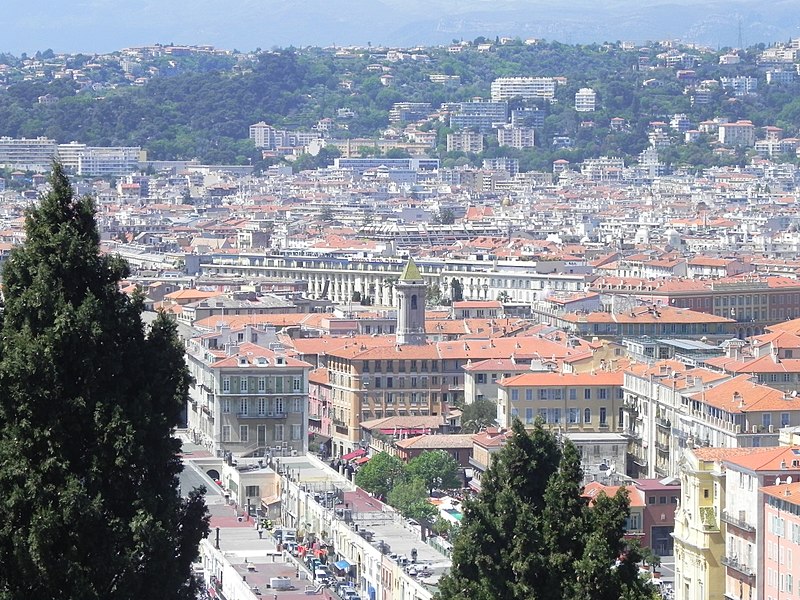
354, 454
362, 460
342, 565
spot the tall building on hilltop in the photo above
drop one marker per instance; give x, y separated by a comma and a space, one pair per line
410, 289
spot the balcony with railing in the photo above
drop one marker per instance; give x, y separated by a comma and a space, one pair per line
737, 522
734, 563
662, 447
663, 423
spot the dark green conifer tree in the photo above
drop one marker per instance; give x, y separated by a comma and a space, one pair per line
89, 502
529, 535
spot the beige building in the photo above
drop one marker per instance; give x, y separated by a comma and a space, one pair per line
247, 396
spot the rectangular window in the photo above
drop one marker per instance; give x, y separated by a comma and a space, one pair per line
529, 395
574, 415
243, 406
278, 433
785, 419
226, 384
389, 382
262, 384
242, 384
587, 394
226, 433
514, 395
252, 491
587, 415
296, 430
603, 416
279, 385
297, 384
262, 406
528, 415
244, 433
278, 406
573, 394
297, 405
602, 393
226, 405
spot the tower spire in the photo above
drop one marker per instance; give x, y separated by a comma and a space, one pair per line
410, 290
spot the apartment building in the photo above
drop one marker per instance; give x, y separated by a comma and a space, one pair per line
585, 100
586, 402
34, 154
270, 138
753, 303
505, 88
407, 112
698, 534
746, 548
516, 136
98, 161
248, 396
465, 141
781, 538
740, 133
481, 116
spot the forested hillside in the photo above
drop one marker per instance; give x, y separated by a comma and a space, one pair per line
205, 112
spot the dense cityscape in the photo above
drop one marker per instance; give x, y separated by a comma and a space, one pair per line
392, 270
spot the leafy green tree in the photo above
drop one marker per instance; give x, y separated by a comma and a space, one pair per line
476, 416
433, 294
530, 535
446, 216
437, 469
411, 499
456, 290
381, 474
88, 404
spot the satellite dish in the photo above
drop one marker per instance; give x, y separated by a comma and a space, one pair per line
794, 393
788, 480
777, 481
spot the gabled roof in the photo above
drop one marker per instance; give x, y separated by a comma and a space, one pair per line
772, 459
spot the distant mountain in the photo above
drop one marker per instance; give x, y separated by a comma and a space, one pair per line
105, 25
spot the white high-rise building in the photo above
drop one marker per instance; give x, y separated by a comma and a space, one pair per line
504, 88
585, 100
34, 154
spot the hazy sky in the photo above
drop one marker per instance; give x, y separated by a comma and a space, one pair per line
106, 25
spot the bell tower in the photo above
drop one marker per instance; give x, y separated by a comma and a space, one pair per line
410, 289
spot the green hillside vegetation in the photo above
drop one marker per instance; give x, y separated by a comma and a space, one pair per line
202, 106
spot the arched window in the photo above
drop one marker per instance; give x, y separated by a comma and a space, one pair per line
414, 302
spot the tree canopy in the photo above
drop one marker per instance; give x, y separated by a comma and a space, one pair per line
478, 415
530, 535
380, 474
89, 500
436, 469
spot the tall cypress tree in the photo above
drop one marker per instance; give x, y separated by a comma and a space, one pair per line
89, 501
529, 535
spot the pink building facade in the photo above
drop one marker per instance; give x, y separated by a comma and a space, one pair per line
780, 578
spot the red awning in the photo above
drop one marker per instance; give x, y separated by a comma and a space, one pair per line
362, 460
354, 454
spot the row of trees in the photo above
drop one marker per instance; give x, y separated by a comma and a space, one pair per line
407, 487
